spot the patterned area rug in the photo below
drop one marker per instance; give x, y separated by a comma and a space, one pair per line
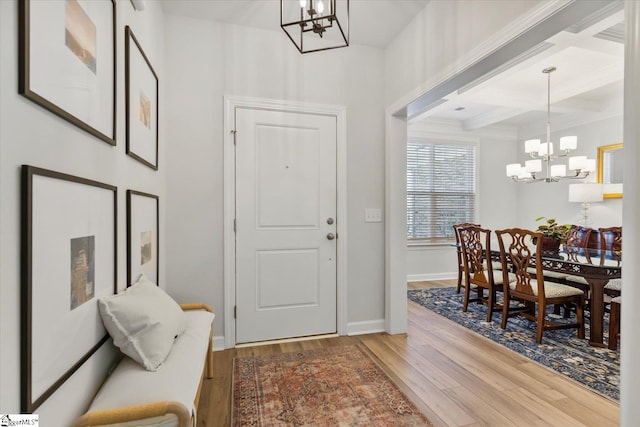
561, 350
335, 386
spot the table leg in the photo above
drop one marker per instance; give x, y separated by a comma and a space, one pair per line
596, 319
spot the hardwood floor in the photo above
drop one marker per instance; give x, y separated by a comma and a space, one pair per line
456, 377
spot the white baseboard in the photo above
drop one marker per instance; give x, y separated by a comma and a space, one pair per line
368, 327
431, 276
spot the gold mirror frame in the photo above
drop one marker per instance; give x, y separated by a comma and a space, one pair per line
601, 153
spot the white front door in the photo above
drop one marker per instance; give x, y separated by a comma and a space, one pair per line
285, 225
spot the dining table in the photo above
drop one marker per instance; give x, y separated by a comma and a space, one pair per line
597, 267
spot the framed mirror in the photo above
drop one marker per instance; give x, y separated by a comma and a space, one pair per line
611, 169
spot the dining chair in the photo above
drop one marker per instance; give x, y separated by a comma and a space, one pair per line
577, 250
456, 227
517, 248
478, 268
614, 323
611, 241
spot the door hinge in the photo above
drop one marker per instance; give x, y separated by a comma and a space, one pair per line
233, 132
235, 311
235, 224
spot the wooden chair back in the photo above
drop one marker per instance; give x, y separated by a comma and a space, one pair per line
517, 247
457, 227
611, 240
476, 259
577, 241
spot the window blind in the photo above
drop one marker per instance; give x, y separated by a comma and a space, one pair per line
441, 185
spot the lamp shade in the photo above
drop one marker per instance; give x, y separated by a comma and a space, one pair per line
585, 192
546, 148
577, 162
531, 145
513, 169
568, 143
558, 171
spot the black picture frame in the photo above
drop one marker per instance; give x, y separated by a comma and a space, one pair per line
143, 236
141, 100
68, 261
74, 79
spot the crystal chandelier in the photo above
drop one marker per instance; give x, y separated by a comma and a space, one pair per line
315, 25
543, 151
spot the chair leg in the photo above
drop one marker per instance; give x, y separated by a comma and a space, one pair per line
459, 281
614, 325
465, 304
580, 317
505, 310
491, 303
540, 326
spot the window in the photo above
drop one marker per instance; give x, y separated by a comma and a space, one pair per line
441, 187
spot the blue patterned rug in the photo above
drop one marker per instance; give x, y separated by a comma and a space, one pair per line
561, 350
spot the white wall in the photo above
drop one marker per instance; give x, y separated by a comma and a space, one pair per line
497, 196
207, 60
29, 134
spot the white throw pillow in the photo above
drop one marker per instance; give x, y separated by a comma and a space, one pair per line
143, 321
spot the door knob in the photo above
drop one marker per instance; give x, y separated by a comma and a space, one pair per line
331, 236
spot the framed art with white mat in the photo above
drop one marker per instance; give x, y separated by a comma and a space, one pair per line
142, 236
67, 61
68, 262
141, 100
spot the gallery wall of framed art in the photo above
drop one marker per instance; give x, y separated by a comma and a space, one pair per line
65, 172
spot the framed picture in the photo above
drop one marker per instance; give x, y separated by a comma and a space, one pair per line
142, 236
68, 261
141, 99
67, 61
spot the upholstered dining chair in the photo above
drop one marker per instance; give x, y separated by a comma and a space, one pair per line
475, 246
611, 240
517, 248
614, 323
456, 227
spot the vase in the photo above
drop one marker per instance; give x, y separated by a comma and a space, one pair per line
551, 244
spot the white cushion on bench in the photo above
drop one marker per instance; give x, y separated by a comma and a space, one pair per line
175, 380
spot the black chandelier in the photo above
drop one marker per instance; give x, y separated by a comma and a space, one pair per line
315, 25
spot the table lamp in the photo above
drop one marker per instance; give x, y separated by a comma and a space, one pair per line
585, 194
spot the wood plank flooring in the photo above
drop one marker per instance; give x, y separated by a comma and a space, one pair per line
456, 377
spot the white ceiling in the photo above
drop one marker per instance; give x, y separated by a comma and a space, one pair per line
587, 84
372, 22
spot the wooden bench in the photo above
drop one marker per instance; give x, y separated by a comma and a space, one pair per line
133, 396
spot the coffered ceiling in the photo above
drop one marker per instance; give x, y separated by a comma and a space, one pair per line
586, 86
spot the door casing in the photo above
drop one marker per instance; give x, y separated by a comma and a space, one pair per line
231, 103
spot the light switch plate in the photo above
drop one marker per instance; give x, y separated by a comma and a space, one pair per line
372, 215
